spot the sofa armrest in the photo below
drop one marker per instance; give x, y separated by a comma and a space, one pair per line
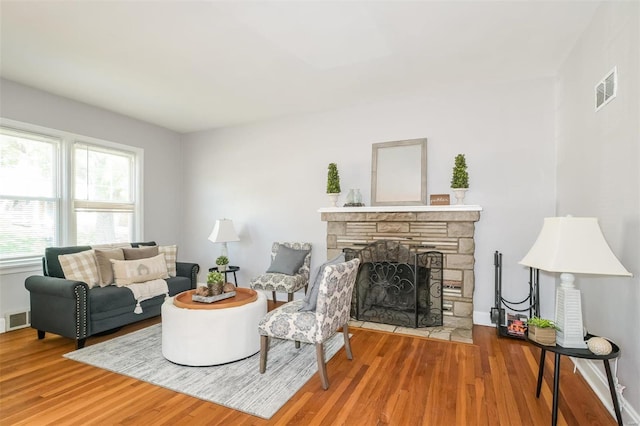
54, 286
189, 270
59, 306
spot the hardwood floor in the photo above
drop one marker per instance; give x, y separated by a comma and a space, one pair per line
393, 379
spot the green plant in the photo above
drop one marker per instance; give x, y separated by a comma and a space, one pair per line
215, 277
541, 323
333, 179
222, 260
460, 178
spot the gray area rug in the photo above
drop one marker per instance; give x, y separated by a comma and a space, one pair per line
238, 385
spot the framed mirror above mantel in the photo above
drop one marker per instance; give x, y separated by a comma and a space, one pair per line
399, 173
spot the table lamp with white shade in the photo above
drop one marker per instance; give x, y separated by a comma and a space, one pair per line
223, 232
572, 245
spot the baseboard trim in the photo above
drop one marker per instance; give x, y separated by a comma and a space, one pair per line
482, 318
597, 380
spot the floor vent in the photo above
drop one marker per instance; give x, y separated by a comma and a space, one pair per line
18, 320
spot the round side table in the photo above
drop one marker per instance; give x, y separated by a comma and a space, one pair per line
230, 269
576, 353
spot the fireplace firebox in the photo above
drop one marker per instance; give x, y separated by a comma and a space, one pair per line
397, 285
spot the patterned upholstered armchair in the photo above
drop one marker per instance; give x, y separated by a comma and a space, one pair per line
286, 273
335, 289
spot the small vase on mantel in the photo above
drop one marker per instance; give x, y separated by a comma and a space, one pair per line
459, 193
354, 198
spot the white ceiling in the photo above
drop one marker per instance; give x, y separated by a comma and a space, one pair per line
195, 65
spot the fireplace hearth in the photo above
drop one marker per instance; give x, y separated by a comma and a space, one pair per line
397, 285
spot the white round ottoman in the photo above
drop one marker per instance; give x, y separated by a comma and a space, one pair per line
199, 337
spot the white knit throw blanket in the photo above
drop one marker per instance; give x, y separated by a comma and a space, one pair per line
148, 290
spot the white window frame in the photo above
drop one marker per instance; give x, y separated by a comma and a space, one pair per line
66, 214
17, 264
75, 203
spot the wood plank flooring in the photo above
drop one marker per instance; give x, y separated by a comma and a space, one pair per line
392, 380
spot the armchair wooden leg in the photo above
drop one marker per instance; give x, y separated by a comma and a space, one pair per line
41, 334
274, 296
297, 342
347, 341
264, 348
289, 297
322, 366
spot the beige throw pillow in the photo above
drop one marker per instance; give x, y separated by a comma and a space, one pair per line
140, 252
110, 246
105, 268
171, 256
80, 266
127, 272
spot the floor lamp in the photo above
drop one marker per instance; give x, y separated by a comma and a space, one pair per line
572, 245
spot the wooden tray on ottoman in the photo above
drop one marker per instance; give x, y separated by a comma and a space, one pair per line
242, 297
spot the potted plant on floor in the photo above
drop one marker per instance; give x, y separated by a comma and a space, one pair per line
460, 178
333, 184
222, 262
215, 282
542, 331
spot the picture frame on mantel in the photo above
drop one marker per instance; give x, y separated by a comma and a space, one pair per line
399, 173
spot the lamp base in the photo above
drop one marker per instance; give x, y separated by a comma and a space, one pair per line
223, 252
569, 314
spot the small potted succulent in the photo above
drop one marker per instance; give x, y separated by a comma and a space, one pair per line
215, 282
222, 262
333, 184
542, 331
460, 178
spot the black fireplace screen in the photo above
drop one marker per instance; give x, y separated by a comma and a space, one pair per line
397, 285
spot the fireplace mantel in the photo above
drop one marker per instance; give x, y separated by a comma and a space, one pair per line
387, 209
447, 229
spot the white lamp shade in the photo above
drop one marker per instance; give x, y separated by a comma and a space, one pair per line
573, 245
223, 232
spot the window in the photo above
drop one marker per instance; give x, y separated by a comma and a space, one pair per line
58, 188
103, 194
29, 194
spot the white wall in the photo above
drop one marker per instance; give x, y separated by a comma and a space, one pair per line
270, 178
598, 172
163, 187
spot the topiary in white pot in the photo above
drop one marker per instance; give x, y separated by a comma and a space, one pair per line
460, 178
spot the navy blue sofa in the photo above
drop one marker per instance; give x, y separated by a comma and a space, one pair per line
71, 309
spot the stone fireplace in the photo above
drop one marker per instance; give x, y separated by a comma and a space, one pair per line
445, 229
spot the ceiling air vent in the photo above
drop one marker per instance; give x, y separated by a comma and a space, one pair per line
607, 88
